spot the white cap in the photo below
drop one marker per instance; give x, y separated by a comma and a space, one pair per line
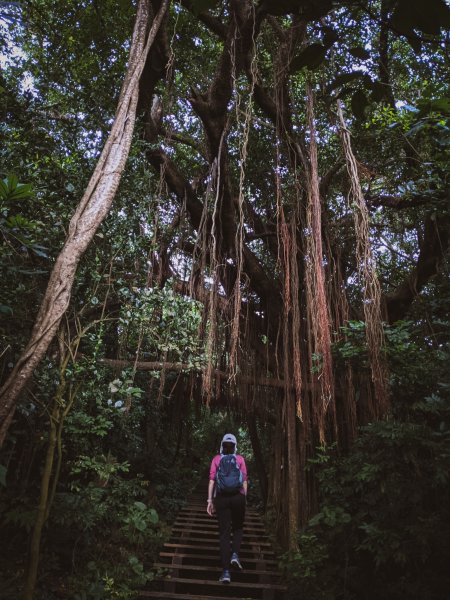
228, 437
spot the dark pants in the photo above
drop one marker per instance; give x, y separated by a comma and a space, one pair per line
230, 512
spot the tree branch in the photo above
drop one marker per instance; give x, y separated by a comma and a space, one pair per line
177, 367
401, 202
433, 248
212, 23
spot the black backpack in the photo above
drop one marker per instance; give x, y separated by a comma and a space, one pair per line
229, 477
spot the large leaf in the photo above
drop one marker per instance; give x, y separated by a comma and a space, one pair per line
199, 6
431, 15
359, 52
330, 36
153, 516
11, 189
312, 56
280, 7
359, 104
20, 222
344, 78
379, 91
439, 105
309, 9
428, 16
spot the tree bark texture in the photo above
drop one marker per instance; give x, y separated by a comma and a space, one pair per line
259, 455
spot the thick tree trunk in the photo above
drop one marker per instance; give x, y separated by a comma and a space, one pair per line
90, 213
259, 455
276, 467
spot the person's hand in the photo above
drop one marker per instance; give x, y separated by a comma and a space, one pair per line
210, 508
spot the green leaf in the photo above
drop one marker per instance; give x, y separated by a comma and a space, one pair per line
13, 182
19, 221
402, 20
3, 189
378, 91
140, 505
330, 36
280, 7
312, 56
359, 52
199, 6
415, 43
431, 15
140, 524
38, 252
11, 189
427, 16
153, 516
436, 105
344, 78
22, 190
359, 104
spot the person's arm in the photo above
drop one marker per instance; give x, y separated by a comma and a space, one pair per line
210, 503
212, 478
244, 474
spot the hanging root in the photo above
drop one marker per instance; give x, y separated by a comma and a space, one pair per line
211, 341
340, 316
295, 307
239, 238
318, 312
367, 274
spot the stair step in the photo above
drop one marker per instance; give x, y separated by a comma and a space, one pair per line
214, 548
205, 518
211, 531
214, 570
212, 527
175, 596
203, 514
205, 557
216, 583
201, 508
213, 540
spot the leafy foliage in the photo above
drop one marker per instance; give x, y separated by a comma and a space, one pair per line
382, 526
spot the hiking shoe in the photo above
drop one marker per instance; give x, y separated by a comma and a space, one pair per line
225, 577
235, 562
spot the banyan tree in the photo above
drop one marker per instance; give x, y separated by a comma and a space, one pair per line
264, 213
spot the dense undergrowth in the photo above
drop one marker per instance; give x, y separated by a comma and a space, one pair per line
122, 482
383, 525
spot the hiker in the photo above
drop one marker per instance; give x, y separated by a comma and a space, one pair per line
227, 491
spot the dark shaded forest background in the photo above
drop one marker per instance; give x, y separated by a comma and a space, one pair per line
274, 263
